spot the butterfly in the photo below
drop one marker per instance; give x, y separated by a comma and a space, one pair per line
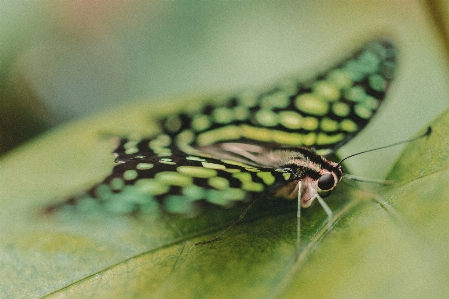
239, 148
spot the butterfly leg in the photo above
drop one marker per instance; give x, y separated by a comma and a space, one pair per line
298, 218
328, 211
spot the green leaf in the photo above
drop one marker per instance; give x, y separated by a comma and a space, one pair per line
385, 244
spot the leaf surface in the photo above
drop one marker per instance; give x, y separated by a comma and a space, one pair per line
395, 246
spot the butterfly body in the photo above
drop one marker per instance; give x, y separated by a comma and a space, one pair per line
249, 145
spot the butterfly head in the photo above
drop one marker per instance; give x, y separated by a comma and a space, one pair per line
318, 180
312, 175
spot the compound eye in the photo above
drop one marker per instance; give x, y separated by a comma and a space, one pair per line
326, 182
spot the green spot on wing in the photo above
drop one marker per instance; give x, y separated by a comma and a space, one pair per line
173, 178
311, 104
247, 182
218, 183
267, 177
126, 201
290, 119
266, 118
193, 158
178, 205
201, 122
278, 99
355, 94
117, 184
328, 125
185, 136
327, 90
144, 166
241, 113
354, 71
287, 138
310, 123
370, 102
222, 115
195, 171
348, 125
368, 62
234, 194
213, 165
377, 82
286, 175
329, 139
173, 123
159, 144
340, 78
223, 197
119, 204
243, 176
131, 150
253, 187
216, 197
309, 139
151, 186
130, 174
362, 111
225, 133
340, 109
131, 147
194, 192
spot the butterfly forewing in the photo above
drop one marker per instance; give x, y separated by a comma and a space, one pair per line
222, 153
322, 113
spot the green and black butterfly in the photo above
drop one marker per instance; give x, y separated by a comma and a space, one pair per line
251, 144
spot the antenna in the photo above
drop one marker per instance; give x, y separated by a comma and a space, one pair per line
427, 133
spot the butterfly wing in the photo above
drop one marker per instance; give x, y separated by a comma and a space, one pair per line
181, 184
322, 113
220, 153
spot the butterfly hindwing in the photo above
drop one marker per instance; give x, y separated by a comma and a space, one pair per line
180, 184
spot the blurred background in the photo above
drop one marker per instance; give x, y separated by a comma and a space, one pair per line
62, 60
